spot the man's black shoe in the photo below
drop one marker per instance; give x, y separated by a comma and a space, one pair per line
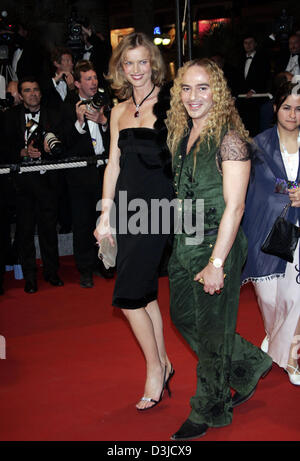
30, 286
238, 398
190, 430
54, 280
86, 281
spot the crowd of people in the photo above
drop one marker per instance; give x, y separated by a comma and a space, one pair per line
49, 202
189, 140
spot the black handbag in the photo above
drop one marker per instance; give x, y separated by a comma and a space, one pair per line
282, 239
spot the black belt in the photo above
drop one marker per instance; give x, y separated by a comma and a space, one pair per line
211, 231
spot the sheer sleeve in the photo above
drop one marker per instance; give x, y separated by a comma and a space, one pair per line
232, 148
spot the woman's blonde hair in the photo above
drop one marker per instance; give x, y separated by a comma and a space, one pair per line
223, 113
116, 75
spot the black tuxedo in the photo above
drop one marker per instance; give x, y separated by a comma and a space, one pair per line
100, 55
258, 75
31, 62
85, 188
51, 97
283, 61
258, 80
36, 198
14, 130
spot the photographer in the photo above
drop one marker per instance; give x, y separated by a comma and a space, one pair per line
59, 85
98, 51
36, 197
86, 135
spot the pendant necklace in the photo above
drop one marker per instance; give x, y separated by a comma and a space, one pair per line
137, 113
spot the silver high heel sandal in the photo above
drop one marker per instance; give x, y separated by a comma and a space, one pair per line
155, 402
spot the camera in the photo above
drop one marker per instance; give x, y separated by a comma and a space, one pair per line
75, 35
7, 36
75, 40
283, 27
37, 135
100, 99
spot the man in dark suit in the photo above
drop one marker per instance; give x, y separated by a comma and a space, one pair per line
290, 59
253, 78
98, 51
59, 86
86, 135
28, 57
36, 199
254, 69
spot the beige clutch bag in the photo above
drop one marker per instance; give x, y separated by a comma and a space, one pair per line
108, 253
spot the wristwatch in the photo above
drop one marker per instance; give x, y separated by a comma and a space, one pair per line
216, 262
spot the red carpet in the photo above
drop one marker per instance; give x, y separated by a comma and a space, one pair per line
73, 371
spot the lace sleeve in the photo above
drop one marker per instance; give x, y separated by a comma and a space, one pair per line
234, 148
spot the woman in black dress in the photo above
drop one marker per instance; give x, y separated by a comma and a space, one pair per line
135, 177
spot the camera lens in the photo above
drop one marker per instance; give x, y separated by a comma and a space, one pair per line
100, 99
75, 30
54, 144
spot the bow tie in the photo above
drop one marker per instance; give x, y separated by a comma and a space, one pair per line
33, 114
294, 54
249, 57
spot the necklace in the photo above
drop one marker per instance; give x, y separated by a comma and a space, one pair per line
137, 113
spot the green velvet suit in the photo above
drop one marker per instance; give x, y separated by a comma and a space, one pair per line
208, 322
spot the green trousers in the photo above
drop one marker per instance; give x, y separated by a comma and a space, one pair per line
208, 323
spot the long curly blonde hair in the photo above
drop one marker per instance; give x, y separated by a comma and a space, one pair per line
223, 113
116, 75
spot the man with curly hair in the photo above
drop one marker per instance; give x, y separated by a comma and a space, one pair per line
211, 161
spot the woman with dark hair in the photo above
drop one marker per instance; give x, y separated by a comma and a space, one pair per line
139, 169
276, 281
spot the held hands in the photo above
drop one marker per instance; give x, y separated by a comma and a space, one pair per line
250, 94
87, 31
67, 77
83, 111
30, 151
211, 278
294, 195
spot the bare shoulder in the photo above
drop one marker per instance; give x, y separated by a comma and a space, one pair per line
119, 109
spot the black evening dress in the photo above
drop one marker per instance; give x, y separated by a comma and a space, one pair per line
141, 240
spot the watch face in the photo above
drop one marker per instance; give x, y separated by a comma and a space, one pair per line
218, 262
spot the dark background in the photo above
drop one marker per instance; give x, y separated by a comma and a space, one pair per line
48, 18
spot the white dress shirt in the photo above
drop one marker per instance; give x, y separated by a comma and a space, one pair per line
61, 88
293, 66
15, 59
88, 52
95, 134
